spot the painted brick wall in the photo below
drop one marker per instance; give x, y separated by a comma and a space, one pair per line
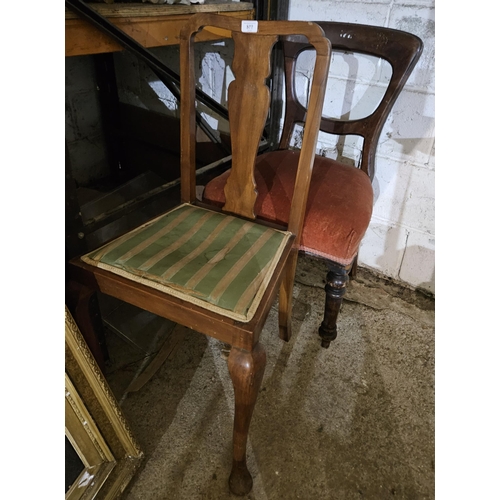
400, 241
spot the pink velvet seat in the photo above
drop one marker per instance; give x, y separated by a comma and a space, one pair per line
340, 199
336, 219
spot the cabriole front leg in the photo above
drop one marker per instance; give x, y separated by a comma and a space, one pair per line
246, 370
336, 282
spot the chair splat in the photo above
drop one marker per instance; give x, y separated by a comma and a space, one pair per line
249, 99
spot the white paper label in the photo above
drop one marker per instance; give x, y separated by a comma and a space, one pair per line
249, 26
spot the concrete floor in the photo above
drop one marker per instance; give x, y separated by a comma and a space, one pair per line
349, 422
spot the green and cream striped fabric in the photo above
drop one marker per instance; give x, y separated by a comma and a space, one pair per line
210, 259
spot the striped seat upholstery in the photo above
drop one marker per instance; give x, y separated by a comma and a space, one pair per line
207, 258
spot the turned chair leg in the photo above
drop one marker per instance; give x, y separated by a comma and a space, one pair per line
246, 370
336, 282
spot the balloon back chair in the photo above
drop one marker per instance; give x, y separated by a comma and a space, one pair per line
219, 271
340, 200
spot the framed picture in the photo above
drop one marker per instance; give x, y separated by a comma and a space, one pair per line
102, 454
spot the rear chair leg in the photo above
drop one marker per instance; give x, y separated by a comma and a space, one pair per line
336, 282
246, 370
353, 272
285, 307
286, 298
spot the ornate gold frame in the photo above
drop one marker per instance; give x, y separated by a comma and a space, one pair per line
95, 425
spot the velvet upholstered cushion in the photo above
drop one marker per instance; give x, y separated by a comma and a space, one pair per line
339, 205
213, 260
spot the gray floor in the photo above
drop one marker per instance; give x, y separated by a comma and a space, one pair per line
349, 422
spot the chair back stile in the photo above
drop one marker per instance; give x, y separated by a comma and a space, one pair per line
187, 122
308, 151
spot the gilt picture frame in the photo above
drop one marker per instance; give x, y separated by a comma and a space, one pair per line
95, 425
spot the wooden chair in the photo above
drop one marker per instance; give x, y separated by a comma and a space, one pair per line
341, 196
218, 272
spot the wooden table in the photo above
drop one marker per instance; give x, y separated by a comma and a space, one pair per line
151, 25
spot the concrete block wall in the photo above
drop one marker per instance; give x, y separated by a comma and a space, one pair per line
400, 242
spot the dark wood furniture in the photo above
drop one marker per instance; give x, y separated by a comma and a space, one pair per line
341, 196
111, 271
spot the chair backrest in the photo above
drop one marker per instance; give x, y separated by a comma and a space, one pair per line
248, 106
402, 50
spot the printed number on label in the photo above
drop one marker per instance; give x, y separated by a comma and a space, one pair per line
249, 26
